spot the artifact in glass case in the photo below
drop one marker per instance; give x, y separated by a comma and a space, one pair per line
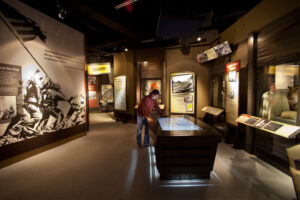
293, 97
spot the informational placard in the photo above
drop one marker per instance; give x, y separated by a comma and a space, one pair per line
252, 121
42, 88
182, 92
232, 92
261, 123
107, 93
99, 68
92, 92
212, 110
274, 127
120, 92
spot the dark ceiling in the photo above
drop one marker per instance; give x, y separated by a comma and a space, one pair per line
144, 23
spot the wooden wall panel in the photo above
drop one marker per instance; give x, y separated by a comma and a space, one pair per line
279, 41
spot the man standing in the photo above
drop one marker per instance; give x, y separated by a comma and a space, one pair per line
143, 116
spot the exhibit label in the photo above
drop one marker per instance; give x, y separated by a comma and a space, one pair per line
182, 92
120, 93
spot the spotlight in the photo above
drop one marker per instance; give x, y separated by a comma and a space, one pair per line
199, 39
126, 49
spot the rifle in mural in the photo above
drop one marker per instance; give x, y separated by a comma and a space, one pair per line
41, 112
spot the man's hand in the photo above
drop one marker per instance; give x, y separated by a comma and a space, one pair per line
149, 119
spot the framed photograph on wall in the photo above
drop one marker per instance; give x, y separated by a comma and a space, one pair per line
182, 89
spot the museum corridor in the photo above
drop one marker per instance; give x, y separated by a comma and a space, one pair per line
106, 164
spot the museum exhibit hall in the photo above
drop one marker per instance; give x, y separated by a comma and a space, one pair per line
143, 100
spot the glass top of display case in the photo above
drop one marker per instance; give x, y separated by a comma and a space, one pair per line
177, 124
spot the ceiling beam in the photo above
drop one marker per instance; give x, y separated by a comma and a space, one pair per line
95, 15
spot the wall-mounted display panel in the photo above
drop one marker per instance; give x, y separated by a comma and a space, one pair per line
182, 92
41, 74
120, 93
232, 92
92, 91
107, 93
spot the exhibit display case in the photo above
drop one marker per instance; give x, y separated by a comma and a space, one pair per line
277, 101
185, 147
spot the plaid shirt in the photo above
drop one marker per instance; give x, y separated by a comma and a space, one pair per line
146, 106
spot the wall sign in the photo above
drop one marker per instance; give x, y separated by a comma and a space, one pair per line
182, 92
120, 92
232, 92
99, 68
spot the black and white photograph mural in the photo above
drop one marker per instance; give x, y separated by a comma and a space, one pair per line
41, 74
182, 83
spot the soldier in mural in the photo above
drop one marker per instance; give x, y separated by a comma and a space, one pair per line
76, 113
41, 110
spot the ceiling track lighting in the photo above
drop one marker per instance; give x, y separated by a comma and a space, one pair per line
126, 3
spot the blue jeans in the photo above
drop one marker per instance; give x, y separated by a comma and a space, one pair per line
140, 122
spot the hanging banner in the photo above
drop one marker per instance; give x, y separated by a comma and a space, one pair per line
232, 92
120, 92
215, 52
182, 92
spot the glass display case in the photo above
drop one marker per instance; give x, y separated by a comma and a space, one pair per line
277, 92
277, 100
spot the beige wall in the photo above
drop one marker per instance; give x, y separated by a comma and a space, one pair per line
241, 53
177, 62
124, 65
264, 13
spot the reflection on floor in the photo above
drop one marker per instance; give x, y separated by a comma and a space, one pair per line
106, 164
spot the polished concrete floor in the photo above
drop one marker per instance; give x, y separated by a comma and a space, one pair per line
106, 164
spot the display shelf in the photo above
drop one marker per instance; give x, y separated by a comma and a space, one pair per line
212, 110
274, 127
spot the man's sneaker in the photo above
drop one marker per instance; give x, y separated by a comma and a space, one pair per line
140, 146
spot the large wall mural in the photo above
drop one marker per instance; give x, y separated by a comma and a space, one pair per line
41, 74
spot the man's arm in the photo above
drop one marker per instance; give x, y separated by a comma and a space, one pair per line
156, 106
